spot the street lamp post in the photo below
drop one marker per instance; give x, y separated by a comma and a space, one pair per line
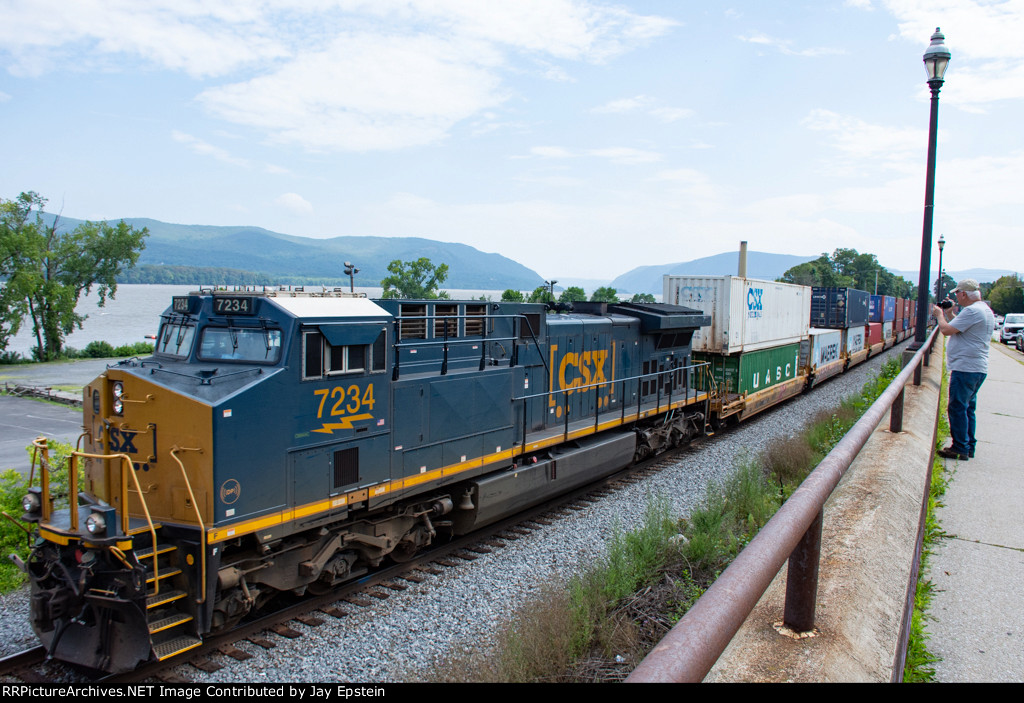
938, 285
936, 59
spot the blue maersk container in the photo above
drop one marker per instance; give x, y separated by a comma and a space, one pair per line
838, 308
883, 308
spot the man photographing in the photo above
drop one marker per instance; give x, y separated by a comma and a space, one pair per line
967, 357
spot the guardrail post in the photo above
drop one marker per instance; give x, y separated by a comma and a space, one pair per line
896, 413
802, 579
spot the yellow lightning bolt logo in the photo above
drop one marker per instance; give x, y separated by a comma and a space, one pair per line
345, 424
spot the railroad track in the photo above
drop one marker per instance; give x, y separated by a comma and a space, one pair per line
348, 599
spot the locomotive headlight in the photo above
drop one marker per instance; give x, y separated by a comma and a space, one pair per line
31, 503
96, 524
118, 390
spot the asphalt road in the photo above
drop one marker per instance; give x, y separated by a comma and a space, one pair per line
24, 419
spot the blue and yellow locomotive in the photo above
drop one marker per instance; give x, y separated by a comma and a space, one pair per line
285, 441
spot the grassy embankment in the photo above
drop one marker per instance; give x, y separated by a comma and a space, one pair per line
600, 624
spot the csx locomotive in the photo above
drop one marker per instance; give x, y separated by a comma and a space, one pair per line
283, 442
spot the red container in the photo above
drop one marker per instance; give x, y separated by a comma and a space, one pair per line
907, 312
874, 333
901, 310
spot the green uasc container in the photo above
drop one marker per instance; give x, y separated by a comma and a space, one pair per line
753, 371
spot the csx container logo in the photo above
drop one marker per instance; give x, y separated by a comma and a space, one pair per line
754, 305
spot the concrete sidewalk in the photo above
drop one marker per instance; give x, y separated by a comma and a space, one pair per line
978, 571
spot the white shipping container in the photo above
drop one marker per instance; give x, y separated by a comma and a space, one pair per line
887, 332
826, 346
746, 314
854, 339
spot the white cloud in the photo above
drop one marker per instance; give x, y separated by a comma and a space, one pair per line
983, 37
551, 152
785, 45
646, 104
197, 37
895, 148
859, 4
366, 92
625, 155
353, 75
295, 203
624, 105
203, 148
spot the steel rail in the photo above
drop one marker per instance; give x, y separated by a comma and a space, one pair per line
691, 648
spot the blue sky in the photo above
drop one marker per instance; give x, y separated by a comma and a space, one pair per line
581, 138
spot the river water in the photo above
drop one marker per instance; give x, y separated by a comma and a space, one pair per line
135, 313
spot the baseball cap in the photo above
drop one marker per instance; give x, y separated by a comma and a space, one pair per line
967, 285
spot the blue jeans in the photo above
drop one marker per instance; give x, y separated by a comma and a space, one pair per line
963, 399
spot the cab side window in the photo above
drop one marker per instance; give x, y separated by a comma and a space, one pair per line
321, 358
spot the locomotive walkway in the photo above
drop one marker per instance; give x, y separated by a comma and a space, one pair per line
978, 570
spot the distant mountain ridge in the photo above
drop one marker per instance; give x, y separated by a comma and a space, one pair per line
760, 264
289, 258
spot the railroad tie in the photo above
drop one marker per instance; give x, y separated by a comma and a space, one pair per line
234, 652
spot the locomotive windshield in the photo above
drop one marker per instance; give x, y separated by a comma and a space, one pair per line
175, 338
240, 344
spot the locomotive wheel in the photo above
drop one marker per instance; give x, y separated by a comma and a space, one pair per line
404, 552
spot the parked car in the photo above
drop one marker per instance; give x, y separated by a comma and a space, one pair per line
1019, 341
1012, 324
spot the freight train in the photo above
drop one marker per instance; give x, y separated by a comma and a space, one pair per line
284, 441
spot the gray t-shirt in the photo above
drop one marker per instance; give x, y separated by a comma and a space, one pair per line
968, 350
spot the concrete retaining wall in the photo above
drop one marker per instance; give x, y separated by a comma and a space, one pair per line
868, 540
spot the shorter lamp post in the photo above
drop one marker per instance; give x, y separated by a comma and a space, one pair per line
551, 284
938, 285
351, 271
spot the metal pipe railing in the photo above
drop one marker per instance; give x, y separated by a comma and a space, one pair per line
691, 648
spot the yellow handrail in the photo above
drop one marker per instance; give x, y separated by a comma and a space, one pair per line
126, 470
199, 518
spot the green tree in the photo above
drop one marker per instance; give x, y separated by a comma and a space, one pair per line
512, 296
946, 284
51, 269
845, 268
1007, 295
604, 294
642, 298
541, 294
415, 279
572, 294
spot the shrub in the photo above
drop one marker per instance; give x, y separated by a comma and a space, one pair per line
13, 486
98, 350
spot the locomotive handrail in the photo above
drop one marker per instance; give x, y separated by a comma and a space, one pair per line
126, 470
445, 341
597, 407
199, 518
691, 648
41, 443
